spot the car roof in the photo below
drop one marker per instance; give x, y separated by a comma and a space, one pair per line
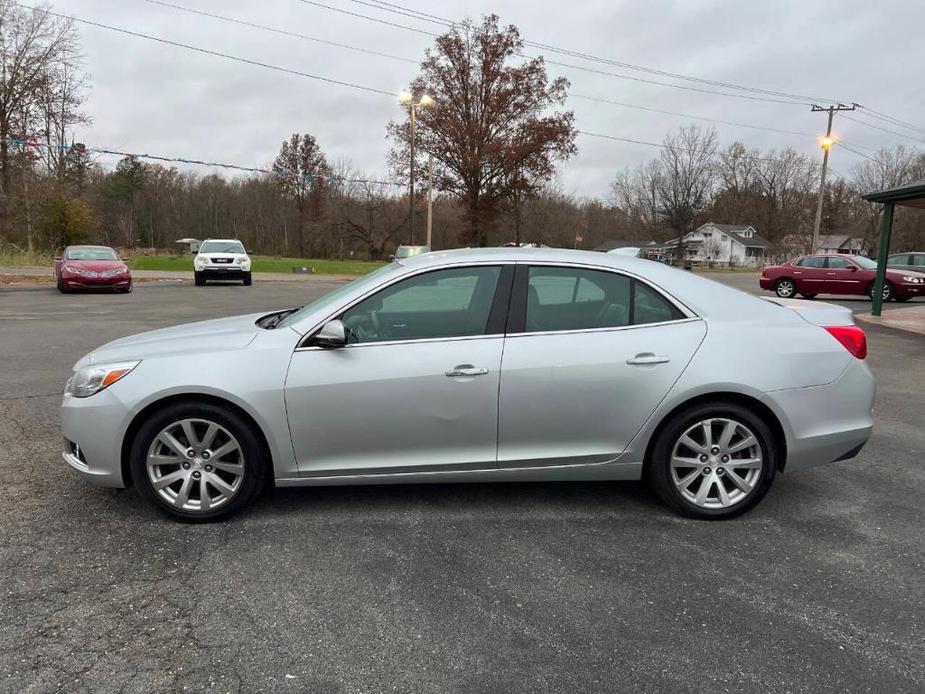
524, 254
89, 247
224, 240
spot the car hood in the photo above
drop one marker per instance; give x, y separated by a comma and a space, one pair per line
222, 255
222, 334
95, 265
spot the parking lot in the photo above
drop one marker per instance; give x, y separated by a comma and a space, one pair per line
570, 587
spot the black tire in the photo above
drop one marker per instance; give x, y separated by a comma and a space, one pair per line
60, 284
256, 460
197, 278
785, 288
658, 467
887, 290
247, 279
808, 296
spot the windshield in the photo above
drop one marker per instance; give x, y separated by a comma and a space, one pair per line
91, 254
865, 263
221, 247
333, 297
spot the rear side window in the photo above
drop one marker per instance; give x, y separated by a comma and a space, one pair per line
918, 260
560, 298
895, 260
814, 261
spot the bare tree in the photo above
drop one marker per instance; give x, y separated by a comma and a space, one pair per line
301, 169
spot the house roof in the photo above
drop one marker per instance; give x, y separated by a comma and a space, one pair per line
622, 243
839, 241
734, 231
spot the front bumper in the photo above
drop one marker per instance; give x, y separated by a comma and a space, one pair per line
77, 282
223, 272
905, 289
829, 422
93, 429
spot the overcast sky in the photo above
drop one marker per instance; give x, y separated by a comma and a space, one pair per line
148, 97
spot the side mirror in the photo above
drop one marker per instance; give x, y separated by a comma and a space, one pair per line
331, 335
57, 258
248, 252
392, 257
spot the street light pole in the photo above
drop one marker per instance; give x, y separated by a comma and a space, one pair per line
406, 99
413, 108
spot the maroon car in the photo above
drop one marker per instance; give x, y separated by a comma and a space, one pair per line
838, 274
91, 267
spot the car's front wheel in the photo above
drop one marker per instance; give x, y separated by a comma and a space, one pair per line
198, 279
247, 279
198, 461
785, 288
713, 461
887, 290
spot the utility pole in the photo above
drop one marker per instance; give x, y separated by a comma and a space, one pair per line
411, 188
826, 143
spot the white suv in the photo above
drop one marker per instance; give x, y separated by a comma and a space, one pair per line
222, 259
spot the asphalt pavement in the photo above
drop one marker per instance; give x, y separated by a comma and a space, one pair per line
577, 587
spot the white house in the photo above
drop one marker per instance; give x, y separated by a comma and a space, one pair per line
723, 244
841, 243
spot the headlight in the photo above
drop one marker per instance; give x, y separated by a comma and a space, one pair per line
83, 272
115, 271
245, 263
914, 280
200, 264
92, 379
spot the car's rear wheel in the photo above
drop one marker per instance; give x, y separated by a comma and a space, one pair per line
713, 461
887, 290
198, 462
785, 288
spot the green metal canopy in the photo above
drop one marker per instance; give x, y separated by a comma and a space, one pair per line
909, 195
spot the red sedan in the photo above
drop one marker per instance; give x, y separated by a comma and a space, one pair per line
838, 274
91, 267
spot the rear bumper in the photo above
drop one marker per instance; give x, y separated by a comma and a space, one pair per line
828, 422
766, 283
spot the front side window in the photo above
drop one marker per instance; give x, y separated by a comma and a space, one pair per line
918, 259
445, 303
560, 298
895, 260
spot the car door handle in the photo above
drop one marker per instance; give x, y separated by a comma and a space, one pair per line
466, 370
647, 358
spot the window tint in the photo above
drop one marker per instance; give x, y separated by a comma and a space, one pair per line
814, 261
894, 260
838, 264
918, 259
443, 303
579, 299
651, 307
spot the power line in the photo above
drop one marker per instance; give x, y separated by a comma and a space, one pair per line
689, 115
423, 16
207, 51
890, 119
281, 32
82, 149
886, 130
572, 66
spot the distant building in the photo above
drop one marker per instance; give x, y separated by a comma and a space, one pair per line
723, 244
842, 243
608, 246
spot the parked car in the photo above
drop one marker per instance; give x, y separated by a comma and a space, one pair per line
222, 259
91, 267
811, 275
409, 251
613, 368
907, 262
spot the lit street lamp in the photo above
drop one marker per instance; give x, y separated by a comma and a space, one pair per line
407, 99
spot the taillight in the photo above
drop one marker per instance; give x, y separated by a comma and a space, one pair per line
851, 337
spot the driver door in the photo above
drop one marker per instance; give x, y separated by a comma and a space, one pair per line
416, 387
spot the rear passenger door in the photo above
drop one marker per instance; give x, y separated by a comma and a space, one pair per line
810, 275
589, 355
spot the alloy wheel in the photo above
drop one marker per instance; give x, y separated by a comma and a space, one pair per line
195, 465
785, 289
716, 463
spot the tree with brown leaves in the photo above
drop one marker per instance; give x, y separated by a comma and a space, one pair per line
302, 170
491, 129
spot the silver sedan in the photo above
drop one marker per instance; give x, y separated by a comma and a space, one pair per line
480, 365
